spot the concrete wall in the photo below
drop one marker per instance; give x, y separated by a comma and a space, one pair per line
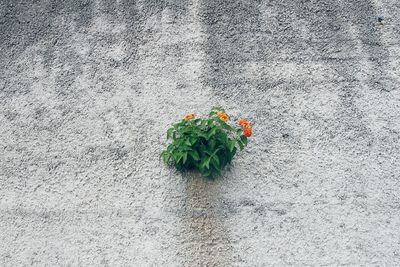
88, 89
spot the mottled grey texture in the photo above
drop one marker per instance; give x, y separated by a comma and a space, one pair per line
88, 89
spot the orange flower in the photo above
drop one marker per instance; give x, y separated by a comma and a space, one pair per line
247, 132
223, 116
245, 124
189, 116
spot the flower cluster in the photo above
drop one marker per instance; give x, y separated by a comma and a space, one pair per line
247, 127
189, 116
205, 144
223, 116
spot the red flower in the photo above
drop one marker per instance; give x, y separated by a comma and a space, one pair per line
223, 116
247, 132
245, 124
189, 116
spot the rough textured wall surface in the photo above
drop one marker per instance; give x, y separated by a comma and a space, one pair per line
88, 89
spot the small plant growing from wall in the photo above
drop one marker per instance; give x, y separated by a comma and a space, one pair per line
205, 144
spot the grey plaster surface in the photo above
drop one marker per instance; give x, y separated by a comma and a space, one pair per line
88, 89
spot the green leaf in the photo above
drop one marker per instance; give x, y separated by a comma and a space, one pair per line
193, 140
165, 156
187, 142
231, 145
206, 163
223, 138
241, 145
231, 155
206, 173
212, 153
194, 155
170, 133
212, 132
225, 125
196, 121
215, 161
244, 139
178, 156
184, 157
211, 144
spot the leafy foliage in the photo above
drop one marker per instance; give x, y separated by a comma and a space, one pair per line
203, 144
